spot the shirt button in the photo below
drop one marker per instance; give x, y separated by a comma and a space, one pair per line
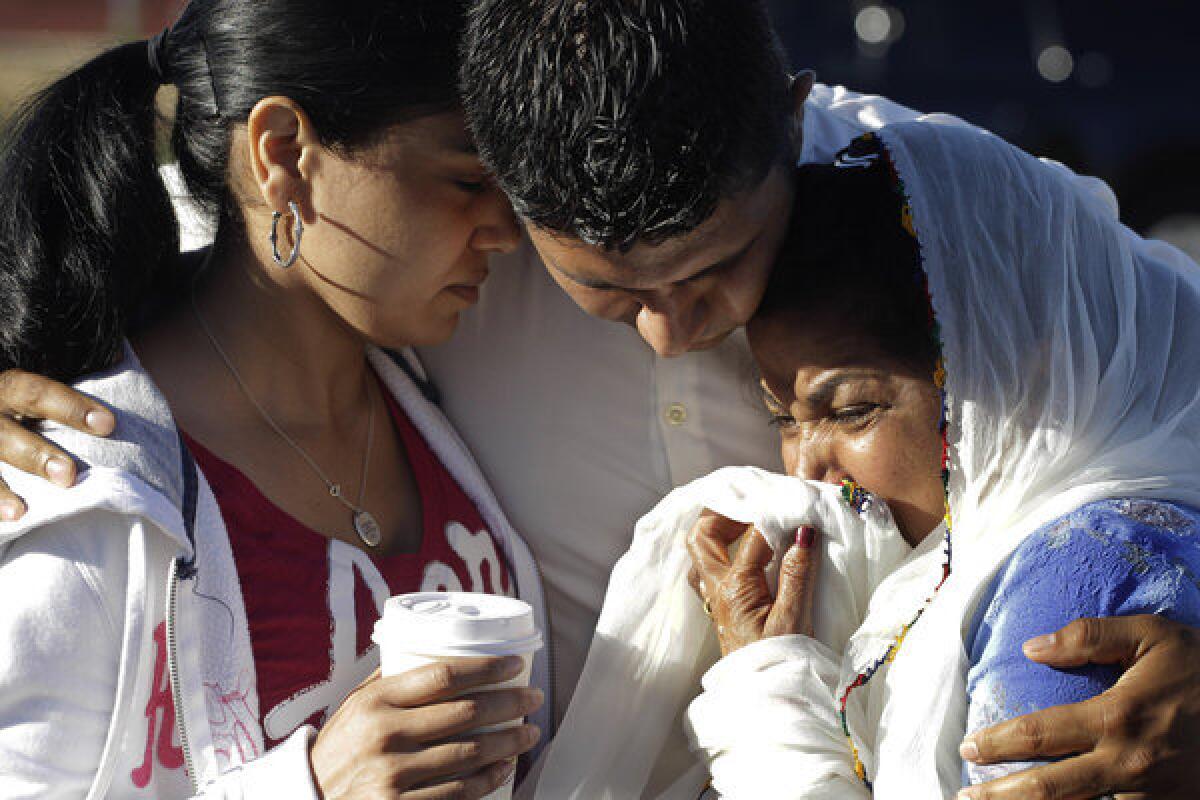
676, 414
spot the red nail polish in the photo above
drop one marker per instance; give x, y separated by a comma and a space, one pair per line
805, 536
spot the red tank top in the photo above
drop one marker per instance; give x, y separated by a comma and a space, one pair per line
312, 602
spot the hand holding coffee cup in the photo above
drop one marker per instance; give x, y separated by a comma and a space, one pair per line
440, 723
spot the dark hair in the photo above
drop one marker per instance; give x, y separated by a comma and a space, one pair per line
86, 226
619, 122
849, 256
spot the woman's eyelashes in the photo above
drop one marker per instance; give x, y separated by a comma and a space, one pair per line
780, 418
856, 414
473, 184
852, 411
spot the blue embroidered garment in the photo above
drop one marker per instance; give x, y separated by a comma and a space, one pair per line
1111, 558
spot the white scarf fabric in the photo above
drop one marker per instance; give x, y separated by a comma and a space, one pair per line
1072, 353
622, 737
1072, 350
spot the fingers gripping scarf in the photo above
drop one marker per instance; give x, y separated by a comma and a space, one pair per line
622, 737
1072, 356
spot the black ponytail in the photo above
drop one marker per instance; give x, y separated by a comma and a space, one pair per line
85, 222
87, 230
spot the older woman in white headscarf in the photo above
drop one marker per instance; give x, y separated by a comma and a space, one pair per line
958, 332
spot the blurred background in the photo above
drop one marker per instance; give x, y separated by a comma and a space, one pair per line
1107, 87
40, 38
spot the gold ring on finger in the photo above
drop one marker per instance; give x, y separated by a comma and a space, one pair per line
707, 608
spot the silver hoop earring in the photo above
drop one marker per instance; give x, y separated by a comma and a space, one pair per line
297, 235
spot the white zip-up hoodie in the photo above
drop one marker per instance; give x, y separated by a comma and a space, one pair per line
120, 601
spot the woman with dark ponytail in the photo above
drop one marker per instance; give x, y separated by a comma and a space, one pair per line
192, 618
85, 222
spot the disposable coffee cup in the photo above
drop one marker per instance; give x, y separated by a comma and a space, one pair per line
426, 627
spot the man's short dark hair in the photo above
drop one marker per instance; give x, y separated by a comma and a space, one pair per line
625, 121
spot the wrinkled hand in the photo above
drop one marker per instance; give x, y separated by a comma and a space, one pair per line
736, 591
1141, 737
402, 738
25, 397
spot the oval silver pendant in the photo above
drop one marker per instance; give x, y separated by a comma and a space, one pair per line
367, 529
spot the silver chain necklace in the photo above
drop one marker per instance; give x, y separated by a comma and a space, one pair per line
365, 525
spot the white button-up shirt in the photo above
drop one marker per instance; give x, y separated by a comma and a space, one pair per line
582, 429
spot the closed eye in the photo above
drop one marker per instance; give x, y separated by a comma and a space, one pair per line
856, 413
472, 185
780, 418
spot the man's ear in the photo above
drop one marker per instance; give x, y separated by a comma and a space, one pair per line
802, 86
284, 150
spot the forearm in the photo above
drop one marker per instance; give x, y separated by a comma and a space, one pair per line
283, 772
61, 633
1003, 683
768, 725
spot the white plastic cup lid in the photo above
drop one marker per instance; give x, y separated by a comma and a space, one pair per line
458, 624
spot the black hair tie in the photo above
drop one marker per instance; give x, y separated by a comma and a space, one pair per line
156, 55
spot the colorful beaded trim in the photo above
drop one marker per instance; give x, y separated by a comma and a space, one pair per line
863, 148
855, 496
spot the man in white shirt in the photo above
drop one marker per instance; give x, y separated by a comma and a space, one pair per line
602, 427
651, 161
